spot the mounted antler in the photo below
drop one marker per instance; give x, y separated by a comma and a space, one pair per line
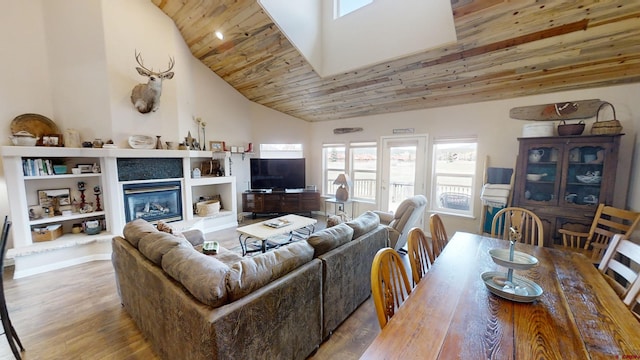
146, 97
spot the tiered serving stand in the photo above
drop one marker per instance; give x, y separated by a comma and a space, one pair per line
506, 285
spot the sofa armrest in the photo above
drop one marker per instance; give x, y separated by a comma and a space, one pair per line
346, 277
194, 236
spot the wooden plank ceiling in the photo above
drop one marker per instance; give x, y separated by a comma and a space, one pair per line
505, 49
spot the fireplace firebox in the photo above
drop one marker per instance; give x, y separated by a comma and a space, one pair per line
153, 202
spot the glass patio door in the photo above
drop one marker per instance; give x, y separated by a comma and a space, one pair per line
403, 169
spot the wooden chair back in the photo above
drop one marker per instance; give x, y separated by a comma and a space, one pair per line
620, 263
389, 284
632, 300
519, 224
420, 254
607, 222
439, 237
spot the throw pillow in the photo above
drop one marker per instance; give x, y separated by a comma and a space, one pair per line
204, 276
333, 220
250, 274
330, 238
164, 227
364, 223
154, 246
135, 230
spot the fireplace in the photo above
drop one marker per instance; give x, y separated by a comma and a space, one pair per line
153, 201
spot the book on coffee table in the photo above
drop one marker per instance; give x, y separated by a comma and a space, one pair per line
277, 223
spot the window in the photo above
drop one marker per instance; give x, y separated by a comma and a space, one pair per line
364, 160
333, 164
281, 151
361, 166
454, 168
343, 7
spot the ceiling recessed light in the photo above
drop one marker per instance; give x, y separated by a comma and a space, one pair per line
219, 35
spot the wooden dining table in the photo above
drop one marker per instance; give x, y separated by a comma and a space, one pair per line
451, 314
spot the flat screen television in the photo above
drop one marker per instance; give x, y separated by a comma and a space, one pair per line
277, 174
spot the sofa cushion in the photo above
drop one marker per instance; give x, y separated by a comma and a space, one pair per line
253, 273
154, 246
225, 256
364, 223
330, 238
202, 275
135, 230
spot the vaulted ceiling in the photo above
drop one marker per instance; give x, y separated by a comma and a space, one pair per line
505, 49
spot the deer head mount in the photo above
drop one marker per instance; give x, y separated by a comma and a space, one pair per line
146, 97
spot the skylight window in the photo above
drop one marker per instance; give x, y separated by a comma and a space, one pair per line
335, 45
343, 7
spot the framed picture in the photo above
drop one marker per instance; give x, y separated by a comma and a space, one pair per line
216, 145
52, 140
85, 168
50, 197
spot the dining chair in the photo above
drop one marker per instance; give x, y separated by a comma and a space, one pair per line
439, 237
9, 331
632, 300
519, 224
420, 254
620, 263
607, 222
389, 284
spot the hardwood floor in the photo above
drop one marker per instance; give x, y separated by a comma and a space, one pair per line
75, 313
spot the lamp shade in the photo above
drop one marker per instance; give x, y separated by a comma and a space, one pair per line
342, 193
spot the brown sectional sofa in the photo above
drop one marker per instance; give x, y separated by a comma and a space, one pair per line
276, 305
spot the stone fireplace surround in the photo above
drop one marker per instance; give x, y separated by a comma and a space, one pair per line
71, 249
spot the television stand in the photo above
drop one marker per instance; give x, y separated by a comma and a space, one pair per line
280, 202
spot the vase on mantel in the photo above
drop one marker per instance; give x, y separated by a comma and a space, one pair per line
158, 142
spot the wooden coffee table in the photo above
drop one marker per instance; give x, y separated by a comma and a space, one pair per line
269, 229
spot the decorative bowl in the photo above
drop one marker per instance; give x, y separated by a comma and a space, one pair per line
142, 142
535, 177
494, 281
521, 261
23, 138
589, 179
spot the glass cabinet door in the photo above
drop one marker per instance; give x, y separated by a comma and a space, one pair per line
542, 172
584, 175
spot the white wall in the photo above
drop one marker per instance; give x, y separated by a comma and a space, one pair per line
382, 31
497, 135
301, 23
77, 66
25, 85
91, 90
74, 63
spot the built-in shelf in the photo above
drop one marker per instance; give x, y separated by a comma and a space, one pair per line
70, 249
61, 218
62, 176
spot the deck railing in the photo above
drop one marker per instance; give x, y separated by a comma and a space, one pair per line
449, 196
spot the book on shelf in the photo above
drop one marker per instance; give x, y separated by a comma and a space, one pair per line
37, 167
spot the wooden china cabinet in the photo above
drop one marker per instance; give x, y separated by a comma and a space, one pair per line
563, 179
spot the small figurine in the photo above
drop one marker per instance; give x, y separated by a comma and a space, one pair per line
97, 192
81, 188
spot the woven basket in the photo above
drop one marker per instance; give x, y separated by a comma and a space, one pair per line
609, 127
208, 208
